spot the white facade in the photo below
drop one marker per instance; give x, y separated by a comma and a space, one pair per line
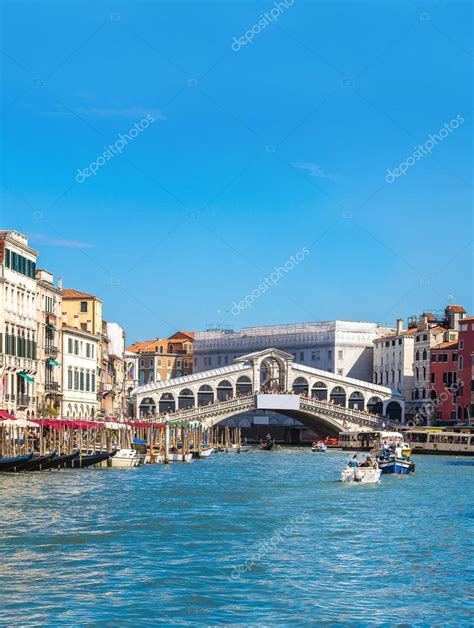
79, 374
393, 361
18, 350
48, 314
341, 347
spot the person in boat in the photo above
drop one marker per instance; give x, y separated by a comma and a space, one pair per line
268, 437
354, 461
368, 462
398, 451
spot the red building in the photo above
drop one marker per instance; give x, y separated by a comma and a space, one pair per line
444, 387
465, 409
452, 377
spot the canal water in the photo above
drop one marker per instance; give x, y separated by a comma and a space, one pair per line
262, 538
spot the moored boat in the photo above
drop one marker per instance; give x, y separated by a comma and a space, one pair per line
445, 441
174, 456
126, 458
87, 460
266, 445
35, 463
242, 448
8, 464
59, 461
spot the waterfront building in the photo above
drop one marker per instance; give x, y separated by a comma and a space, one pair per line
82, 311
80, 349
131, 380
341, 347
111, 372
465, 409
393, 360
164, 358
18, 325
49, 349
444, 390
432, 328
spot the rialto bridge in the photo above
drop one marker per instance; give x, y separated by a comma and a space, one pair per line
271, 380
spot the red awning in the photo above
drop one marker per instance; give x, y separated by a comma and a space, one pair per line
5, 415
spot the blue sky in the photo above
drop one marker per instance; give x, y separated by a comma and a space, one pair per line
253, 155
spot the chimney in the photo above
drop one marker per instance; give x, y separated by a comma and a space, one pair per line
399, 326
60, 283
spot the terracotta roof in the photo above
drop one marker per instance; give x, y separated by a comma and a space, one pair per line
458, 309
404, 332
446, 345
468, 319
69, 293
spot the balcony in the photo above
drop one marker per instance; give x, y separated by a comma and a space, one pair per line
52, 386
24, 400
52, 350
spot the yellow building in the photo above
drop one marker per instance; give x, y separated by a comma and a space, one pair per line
82, 311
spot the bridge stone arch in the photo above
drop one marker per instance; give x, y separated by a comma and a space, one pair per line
243, 385
186, 398
356, 400
167, 402
301, 386
319, 390
224, 390
205, 395
338, 395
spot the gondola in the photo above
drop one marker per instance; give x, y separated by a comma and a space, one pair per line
267, 445
87, 460
8, 464
35, 463
60, 461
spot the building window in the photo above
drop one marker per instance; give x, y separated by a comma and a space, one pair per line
93, 381
88, 350
69, 379
425, 354
455, 357
81, 380
83, 306
219, 360
88, 381
226, 359
313, 356
340, 355
461, 344
76, 347
433, 378
425, 337
461, 362
69, 345
340, 371
433, 357
76, 380
417, 356
329, 354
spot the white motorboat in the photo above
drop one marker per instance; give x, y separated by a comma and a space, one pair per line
126, 458
361, 475
206, 452
319, 447
174, 456
241, 448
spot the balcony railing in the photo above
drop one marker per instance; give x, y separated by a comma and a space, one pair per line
24, 400
52, 350
52, 386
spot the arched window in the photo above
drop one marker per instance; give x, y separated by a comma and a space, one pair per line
244, 385
356, 400
185, 399
319, 391
417, 355
166, 403
205, 395
338, 396
301, 386
225, 390
425, 354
